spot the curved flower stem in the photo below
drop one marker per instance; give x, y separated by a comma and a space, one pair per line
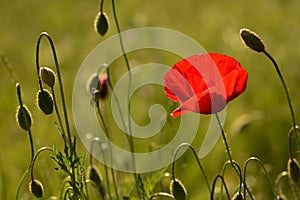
269, 179
197, 159
111, 155
44, 34
131, 143
101, 6
35, 157
285, 89
20, 183
239, 173
214, 185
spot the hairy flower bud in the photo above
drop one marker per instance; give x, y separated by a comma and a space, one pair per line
101, 23
252, 40
23, 117
293, 170
178, 190
95, 176
48, 76
36, 188
45, 101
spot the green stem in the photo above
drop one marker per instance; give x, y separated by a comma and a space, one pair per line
111, 155
64, 136
131, 143
35, 157
101, 6
197, 159
214, 185
284, 86
269, 179
59, 79
225, 140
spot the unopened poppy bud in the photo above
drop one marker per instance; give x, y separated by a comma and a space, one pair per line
252, 40
23, 117
238, 196
95, 176
178, 190
36, 188
48, 76
101, 23
293, 170
103, 86
45, 101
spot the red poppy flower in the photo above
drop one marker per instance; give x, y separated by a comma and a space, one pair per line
204, 83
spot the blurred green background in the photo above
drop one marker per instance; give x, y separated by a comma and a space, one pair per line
214, 24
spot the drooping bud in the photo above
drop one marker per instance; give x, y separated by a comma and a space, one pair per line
103, 86
101, 23
23, 117
238, 196
95, 176
48, 76
97, 86
252, 40
45, 101
178, 190
36, 188
293, 170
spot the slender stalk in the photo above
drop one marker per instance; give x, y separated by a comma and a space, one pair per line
107, 135
59, 118
225, 140
44, 34
197, 159
131, 143
35, 157
269, 179
214, 185
293, 129
285, 89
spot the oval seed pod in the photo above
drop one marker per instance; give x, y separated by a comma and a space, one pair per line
36, 188
293, 170
45, 101
178, 190
48, 76
23, 117
238, 196
95, 176
101, 23
252, 40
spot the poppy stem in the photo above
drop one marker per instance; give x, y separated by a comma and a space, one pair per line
225, 139
285, 89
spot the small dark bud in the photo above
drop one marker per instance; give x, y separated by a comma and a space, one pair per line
48, 76
178, 190
252, 40
23, 117
95, 176
293, 170
45, 101
238, 196
98, 86
36, 188
101, 23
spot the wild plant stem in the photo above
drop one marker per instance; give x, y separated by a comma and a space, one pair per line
214, 185
59, 80
59, 118
197, 159
285, 89
111, 155
131, 143
225, 140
